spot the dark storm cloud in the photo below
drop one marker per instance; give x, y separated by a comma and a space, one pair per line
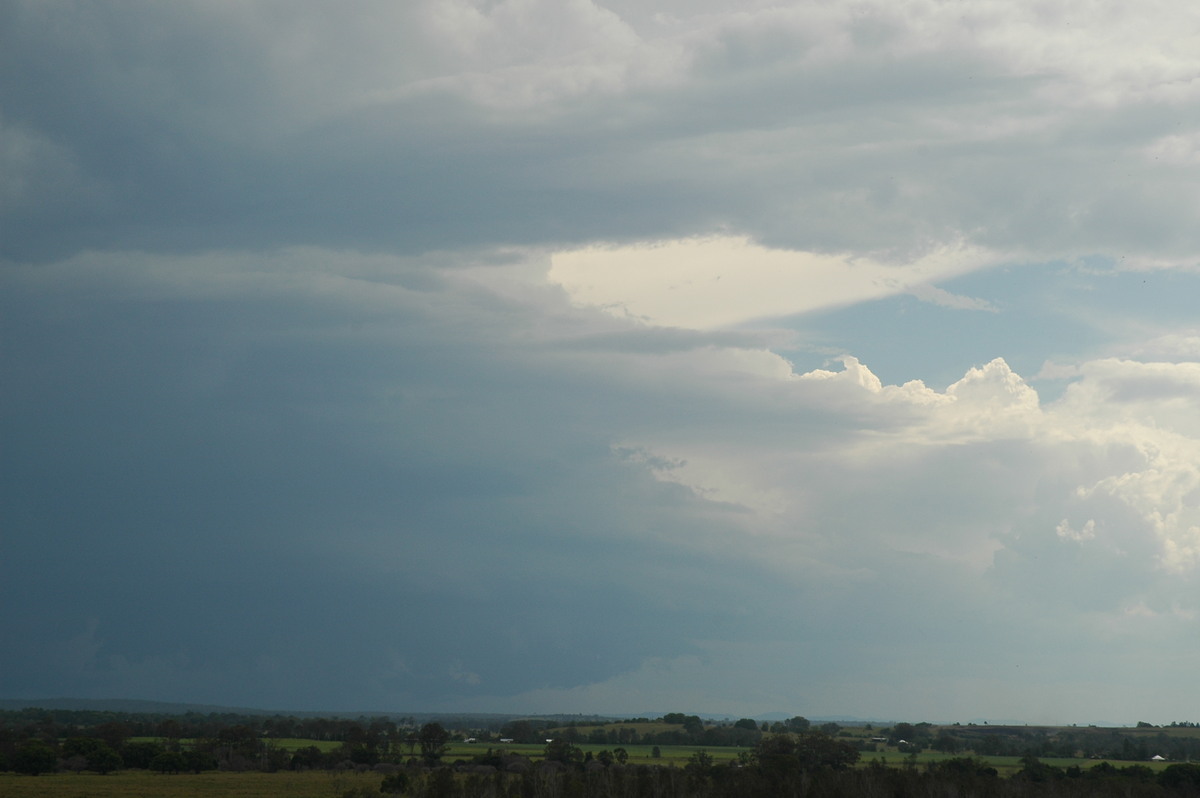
294, 494
291, 414
180, 127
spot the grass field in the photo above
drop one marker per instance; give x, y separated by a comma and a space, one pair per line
1005, 765
296, 743
638, 754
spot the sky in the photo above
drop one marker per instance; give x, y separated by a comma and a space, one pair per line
559, 356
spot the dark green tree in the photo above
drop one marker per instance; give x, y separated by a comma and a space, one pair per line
902, 731
114, 734
104, 760
522, 731
433, 739
172, 730
307, 758
363, 754
79, 746
562, 751
139, 754
700, 763
168, 762
34, 758
395, 784
440, 784
782, 756
198, 761
1181, 777
946, 742
1033, 769
820, 751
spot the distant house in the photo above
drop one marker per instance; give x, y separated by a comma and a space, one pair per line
1158, 758
506, 739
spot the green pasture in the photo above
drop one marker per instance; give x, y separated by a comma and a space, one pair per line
296, 743
638, 754
1004, 765
678, 755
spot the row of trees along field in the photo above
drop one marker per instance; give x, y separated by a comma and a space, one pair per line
812, 765
674, 728
1177, 742
108, 747
788, 755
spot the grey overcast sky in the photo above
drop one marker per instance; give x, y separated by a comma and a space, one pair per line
626, 357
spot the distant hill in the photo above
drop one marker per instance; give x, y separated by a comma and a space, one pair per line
136, 706
130, 705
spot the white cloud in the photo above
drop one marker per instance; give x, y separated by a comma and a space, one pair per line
1173, 346
716, 282
1087, 532
1180, 150
1101, 439
940, 296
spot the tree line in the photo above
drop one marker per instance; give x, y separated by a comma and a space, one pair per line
792, 757
806, 765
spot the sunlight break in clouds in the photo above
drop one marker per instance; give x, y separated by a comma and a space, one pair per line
725, 281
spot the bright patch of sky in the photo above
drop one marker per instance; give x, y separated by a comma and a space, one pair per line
543, 356
1029, 314
721, 282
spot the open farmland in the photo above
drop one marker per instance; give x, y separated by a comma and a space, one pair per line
677, 755
82, 754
